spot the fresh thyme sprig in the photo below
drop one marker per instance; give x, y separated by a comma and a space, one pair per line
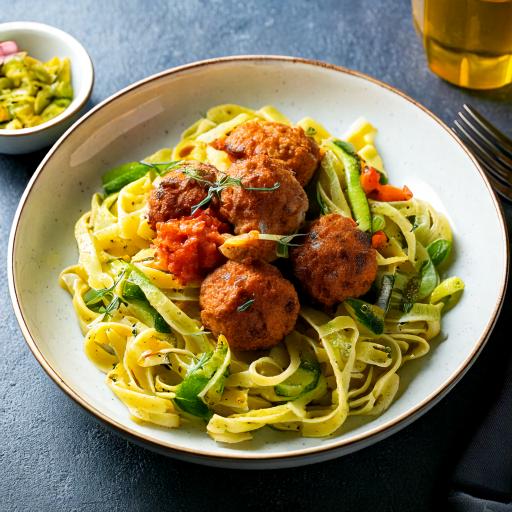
94, 297
111, 306
286, 241
216, 187
161, 168
245, 306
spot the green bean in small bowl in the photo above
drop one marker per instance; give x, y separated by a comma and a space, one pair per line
46, 78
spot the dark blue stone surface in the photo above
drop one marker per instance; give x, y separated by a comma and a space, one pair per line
53, 455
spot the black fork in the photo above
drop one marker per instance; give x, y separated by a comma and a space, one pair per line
492, 148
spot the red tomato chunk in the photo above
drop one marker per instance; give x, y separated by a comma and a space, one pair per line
187, 247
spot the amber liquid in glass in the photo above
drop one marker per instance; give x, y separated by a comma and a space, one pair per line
467, 42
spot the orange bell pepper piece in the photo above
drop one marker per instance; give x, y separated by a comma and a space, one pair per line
379, 239
370, 181
389, 193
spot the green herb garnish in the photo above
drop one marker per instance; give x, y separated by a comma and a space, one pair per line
118, 177
285, 242
439, 250
111, 306
93, 297
245, 306
216, 187
161, 168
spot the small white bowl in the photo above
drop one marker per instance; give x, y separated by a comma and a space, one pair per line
44, 42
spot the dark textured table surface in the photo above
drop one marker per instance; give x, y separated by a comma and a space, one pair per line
53, 455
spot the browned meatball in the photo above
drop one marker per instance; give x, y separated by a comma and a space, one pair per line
251, 304
336, 260
280, 211
299, 152
178, 193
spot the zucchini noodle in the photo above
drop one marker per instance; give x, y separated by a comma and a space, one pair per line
167, 370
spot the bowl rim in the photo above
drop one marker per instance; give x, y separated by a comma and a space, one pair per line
205, 456
87, 71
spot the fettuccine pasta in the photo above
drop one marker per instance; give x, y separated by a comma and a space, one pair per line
143, 329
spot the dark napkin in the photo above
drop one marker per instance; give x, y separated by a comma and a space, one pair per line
483, 477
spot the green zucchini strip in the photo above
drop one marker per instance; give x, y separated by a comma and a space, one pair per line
356, 196
204, 381
118, 177
172, 314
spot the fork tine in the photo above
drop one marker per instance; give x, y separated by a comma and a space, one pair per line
494, 151
498, 170
499, 185
502, 190
499, 138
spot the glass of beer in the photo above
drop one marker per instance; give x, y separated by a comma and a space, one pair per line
467, 42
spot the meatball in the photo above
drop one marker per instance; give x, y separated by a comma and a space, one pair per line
280, 211
251, 304
299, 152
178, 193
336, 260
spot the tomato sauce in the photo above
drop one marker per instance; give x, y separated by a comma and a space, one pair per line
188, 247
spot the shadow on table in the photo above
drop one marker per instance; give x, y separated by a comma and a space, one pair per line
503, 95
17, 170
472, 401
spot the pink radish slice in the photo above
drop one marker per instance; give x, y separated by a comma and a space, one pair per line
7, 48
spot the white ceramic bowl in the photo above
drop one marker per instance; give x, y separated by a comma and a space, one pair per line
44, 42
418, 150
